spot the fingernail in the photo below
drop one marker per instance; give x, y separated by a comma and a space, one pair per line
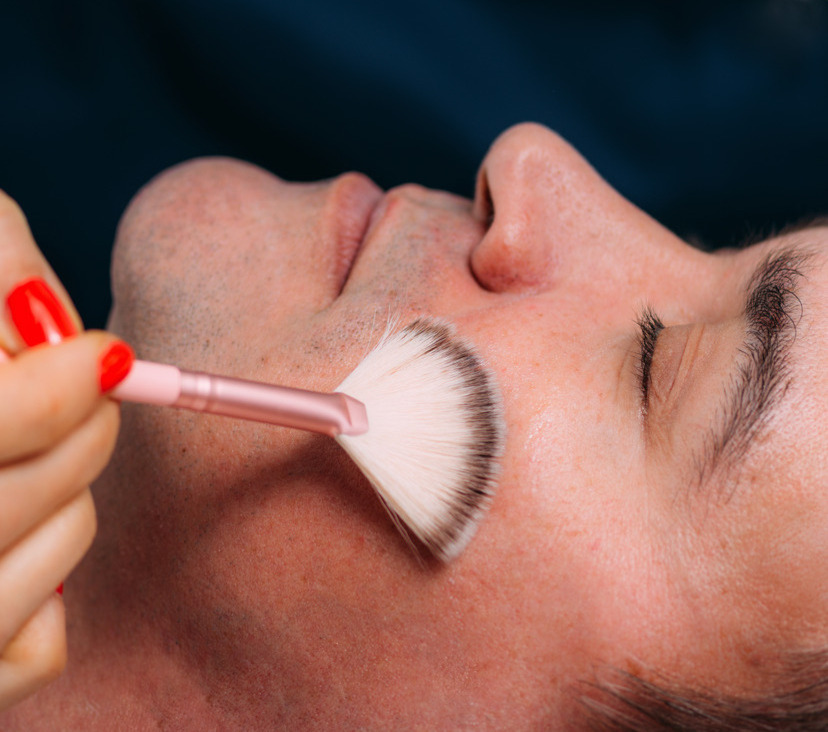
59, 589
114, 365
37, 313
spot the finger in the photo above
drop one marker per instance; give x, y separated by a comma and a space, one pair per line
32, 569
47, 392
37, 487
20, 261
36, 655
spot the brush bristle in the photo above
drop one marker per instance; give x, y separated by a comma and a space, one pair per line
435, 433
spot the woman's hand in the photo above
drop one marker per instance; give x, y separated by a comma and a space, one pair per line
57, 431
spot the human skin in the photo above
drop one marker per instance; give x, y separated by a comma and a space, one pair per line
246, 576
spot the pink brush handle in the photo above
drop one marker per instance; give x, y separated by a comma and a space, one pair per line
330, 414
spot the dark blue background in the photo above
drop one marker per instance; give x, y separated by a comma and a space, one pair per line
712, 116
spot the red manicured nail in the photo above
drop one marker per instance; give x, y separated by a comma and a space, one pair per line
37, 313
59, 589
114, 365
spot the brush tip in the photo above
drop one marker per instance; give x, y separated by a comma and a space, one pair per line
436, 432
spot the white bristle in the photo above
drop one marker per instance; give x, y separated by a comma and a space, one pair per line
434, 436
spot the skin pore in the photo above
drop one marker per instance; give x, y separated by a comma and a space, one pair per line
246, 576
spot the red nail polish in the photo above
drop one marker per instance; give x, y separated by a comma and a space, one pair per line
114, 365
59, 589
37, 313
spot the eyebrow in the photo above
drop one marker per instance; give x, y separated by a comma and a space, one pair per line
773, 308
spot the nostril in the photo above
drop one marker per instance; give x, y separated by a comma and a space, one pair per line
484, 209
489, 209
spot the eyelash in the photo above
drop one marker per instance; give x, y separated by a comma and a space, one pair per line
650, 326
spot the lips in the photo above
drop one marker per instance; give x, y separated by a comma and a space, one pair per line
354, 197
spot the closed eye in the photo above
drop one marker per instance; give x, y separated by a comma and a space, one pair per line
650, 326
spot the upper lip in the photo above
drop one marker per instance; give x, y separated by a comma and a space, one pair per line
356, 198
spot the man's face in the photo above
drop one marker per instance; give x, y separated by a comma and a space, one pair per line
640, 522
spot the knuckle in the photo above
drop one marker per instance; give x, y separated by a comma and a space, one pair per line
48, 659
100, 442
87, 523
91, 519
112, 417
37, 652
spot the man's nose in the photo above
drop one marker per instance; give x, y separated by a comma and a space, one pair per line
553, 218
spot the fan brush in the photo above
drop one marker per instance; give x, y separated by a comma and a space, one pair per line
420, 416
